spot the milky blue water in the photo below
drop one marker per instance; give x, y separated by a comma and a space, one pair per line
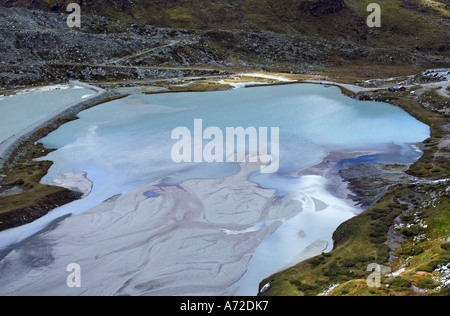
22, 110
127, 143
124, 144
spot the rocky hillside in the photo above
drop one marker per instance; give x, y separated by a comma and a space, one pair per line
295, 16
134, 40
414, 20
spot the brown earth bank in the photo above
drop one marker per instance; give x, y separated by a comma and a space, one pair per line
23, 199
41, 207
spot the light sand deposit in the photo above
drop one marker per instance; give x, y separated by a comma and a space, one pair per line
195, 238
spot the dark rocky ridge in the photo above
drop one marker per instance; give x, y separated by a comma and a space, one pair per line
305, 36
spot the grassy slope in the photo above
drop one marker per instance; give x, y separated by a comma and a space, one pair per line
360, 243
355, 249
422, 258
361, 240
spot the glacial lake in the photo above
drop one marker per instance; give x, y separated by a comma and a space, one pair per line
151, 226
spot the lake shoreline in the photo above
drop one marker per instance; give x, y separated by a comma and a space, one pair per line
18, 153
31, 133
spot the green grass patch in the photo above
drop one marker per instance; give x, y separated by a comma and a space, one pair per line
400, 284
427, 283
411, 251
181, 17
446, 246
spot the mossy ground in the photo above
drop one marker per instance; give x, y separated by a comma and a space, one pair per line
419, 259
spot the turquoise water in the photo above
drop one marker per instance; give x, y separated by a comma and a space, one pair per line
125, 144
22, 110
